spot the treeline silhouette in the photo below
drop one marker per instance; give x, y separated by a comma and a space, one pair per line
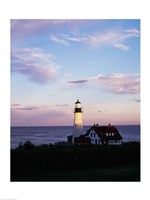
28, 158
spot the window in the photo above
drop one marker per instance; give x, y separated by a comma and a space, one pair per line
93, 135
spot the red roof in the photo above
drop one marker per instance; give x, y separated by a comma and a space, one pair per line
103, 132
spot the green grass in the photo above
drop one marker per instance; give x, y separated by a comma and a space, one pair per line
110, 174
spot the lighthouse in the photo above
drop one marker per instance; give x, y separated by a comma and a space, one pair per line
77, 120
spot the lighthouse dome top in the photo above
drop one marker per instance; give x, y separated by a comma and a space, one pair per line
77, 101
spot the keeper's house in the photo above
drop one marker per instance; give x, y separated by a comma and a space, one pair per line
108, 135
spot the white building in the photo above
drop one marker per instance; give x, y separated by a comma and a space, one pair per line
104, 135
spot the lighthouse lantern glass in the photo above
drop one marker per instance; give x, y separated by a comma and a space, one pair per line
78, 105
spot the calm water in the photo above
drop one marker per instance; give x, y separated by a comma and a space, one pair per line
52, 134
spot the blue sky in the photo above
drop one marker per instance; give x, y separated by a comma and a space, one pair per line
55, 62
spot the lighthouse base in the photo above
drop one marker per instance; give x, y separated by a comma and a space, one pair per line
77, 131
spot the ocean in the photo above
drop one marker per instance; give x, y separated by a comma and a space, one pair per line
52, 134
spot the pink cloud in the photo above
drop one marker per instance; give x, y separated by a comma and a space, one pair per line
21, 28
121, 83
115, 83
37, 65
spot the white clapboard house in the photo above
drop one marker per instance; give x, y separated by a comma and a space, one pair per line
108, 135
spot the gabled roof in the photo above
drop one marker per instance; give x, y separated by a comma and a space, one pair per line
102, 130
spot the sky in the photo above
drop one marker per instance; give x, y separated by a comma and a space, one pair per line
56, 62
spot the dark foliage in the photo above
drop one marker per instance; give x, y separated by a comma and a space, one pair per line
28, 158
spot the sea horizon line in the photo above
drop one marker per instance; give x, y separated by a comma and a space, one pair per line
73, 125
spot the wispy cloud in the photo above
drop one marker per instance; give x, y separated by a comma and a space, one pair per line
21, 28
54, 38
101, 111
15, 104
114, 39
61, 105
31, 25
115, 83
135, 100
76, 39
138, 100
27, 108
133, 32
38, 24
122, 47
79, 81
37, 65
111, 38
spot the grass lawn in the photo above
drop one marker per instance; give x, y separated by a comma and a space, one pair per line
110, 174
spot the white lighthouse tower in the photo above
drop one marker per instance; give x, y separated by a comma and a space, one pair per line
77, 120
